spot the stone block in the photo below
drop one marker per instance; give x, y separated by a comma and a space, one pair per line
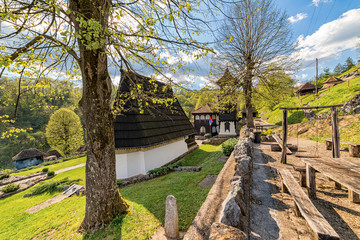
230, 212
220, 231
171, 218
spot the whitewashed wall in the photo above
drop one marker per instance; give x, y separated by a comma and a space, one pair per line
232, 131
131, 164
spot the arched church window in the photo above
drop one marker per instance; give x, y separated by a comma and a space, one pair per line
197, 117
202, 129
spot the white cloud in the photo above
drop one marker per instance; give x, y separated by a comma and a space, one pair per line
316, 2
298, 17
330, 39
304, 75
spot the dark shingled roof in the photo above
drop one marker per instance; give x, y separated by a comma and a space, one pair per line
54, 152
207, 108
305, 87
333, 80
28, 153
157, 124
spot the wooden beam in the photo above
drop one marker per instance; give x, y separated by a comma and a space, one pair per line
335, 133
310, 107
284, 138
310, 181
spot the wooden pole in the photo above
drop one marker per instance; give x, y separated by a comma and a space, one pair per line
284, 125
316, 88
335, 133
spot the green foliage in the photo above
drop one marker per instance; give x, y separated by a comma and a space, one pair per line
267, 132
119, 182
4, 175
164, 170
53, 186
64, 131
207, 135
45, 170
51, 173
228, 146
11, 188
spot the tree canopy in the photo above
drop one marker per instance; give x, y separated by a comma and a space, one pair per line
64, 131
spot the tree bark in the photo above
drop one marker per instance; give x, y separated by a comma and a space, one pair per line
103, 200
247, 86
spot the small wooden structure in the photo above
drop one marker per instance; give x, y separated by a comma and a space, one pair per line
334, 122
306, 88
332, 81
354, 148
304, 207
281, 144
28, 157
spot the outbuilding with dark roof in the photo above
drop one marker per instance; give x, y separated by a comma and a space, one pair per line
332, 81
151, 136
28, 158
306, 88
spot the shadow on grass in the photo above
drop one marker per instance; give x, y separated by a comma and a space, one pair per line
113, 230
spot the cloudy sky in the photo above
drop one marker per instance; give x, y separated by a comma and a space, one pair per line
324, 29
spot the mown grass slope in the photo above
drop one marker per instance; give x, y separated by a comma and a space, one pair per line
147, 205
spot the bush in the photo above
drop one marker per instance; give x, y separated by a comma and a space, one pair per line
163, 170
119, 182
45, 170
53, 186
3, 176
207, 136
228, 146
11, 188
267, 132
51, 173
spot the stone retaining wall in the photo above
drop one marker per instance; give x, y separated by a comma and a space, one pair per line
236, 207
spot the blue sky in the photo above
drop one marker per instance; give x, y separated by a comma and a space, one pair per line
325, 29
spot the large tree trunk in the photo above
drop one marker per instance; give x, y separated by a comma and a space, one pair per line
247, 86
103, 200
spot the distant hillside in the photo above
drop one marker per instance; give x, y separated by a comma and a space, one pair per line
338, 94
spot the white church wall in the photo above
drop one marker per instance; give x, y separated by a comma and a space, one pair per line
140, 162
230, 132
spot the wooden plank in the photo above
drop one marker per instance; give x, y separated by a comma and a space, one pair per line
339, 170
335, 133
285, 130
310, 181
314, 218
279, 141
309, 107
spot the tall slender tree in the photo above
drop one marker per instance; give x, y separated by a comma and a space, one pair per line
255, 35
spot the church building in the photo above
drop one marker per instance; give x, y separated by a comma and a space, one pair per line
149, 135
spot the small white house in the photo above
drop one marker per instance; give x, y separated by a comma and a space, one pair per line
152, 138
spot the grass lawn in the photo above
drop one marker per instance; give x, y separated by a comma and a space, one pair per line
147, 205
53, 167
338, 94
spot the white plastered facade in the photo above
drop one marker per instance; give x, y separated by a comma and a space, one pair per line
230, 132
145, 159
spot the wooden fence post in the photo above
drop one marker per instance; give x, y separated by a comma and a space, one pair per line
285, 129
335, 133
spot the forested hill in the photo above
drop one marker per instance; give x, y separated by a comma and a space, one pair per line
29, 105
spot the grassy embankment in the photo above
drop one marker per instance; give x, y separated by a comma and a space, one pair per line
147, 202
53, 167
338, 94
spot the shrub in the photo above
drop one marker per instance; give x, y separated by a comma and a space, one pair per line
163, 170
207, 136
45, 170
119, 182
228, 146
267, 132
51, 173
3, 176
11, 188
53, 186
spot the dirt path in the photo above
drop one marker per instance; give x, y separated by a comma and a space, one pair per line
343, 215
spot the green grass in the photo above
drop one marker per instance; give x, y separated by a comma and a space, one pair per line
53, 167
146, 200
338, 94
